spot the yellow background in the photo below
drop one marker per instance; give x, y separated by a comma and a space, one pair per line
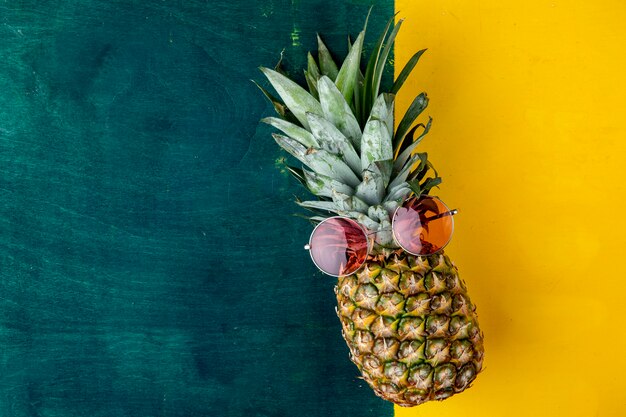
529, 107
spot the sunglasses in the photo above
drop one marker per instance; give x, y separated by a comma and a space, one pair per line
421, 226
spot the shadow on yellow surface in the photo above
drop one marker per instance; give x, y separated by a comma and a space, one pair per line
529, 107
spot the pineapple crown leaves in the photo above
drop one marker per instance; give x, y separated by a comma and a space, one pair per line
341, 127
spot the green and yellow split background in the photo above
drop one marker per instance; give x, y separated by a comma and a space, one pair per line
150, 264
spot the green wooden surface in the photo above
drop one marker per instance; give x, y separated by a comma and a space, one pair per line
150, 262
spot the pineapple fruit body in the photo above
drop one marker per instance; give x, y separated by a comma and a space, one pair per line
411, 327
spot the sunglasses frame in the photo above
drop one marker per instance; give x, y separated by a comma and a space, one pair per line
449, 212
308, 246
367, 234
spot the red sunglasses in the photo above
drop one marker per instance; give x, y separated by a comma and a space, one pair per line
421, 226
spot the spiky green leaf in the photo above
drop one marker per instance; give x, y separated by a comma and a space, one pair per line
397, 192
385, 168
356, 104
423, 165
312, 67
320, 205
332, 140
347, 76
414, 185
316, 219
297, 173
296, 98
369, 96
380, 109
319, 213
331, 165
311, 75
392, 205
349, 203
295, 132
322, 185
327, 63
378, 212
415, 109
278, 105
402, 158
371, 189
430, 183
422, 170
382, 60
408, 139
383, 235
390, 100
406, 71
368, 223
292, 146
337, 111
310, 82
404, 172
383, 111
410, 142
376, 141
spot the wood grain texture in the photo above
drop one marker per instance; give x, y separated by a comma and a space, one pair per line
150, 264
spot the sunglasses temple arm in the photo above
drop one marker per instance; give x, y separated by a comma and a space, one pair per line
447, 213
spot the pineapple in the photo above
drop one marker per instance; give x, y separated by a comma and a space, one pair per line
410, 326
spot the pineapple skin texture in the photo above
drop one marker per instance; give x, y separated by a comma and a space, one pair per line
410, 326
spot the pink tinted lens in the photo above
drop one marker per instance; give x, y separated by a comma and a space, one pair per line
338, 246
423, 226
